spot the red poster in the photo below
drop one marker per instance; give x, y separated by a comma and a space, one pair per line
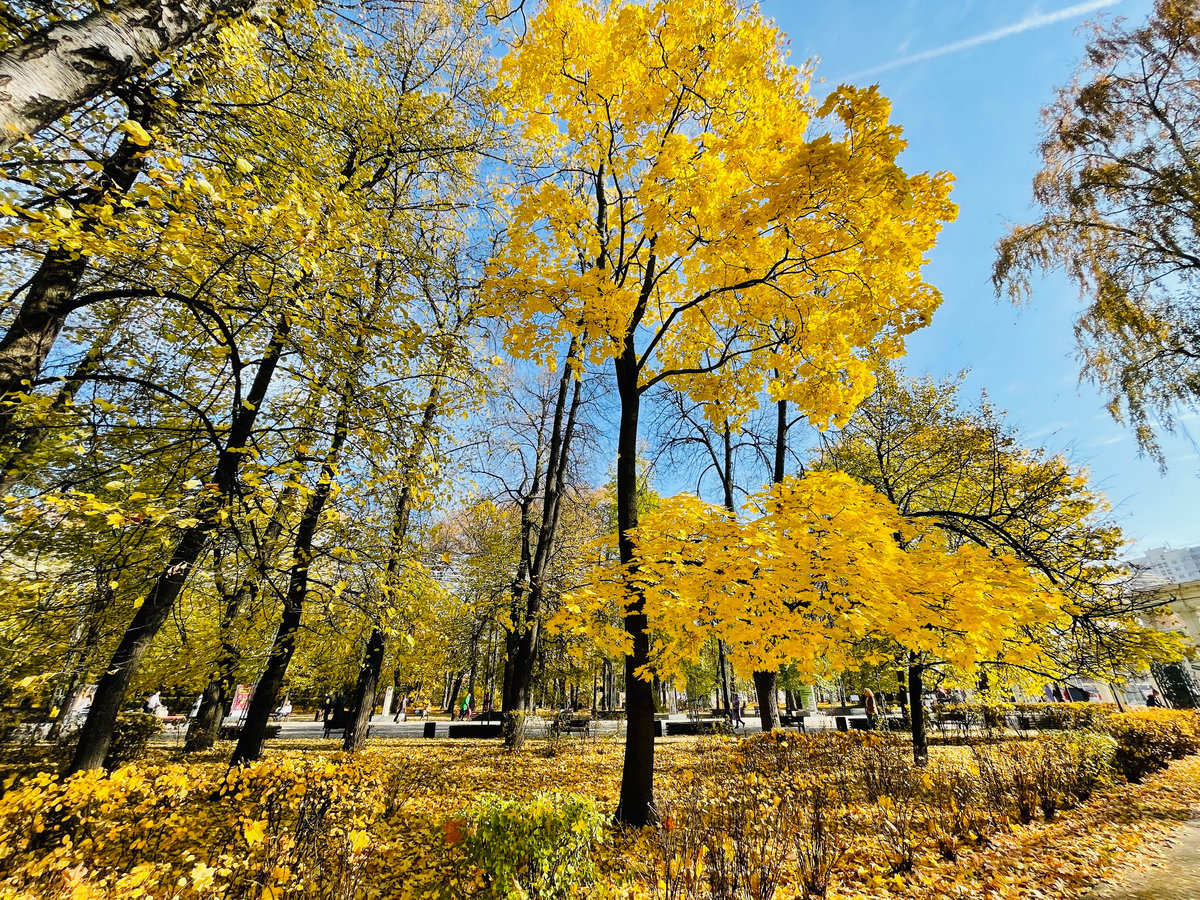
241, 700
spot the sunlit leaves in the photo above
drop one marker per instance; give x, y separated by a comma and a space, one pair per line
730, 243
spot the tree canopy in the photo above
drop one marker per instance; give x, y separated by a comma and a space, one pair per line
1118, 192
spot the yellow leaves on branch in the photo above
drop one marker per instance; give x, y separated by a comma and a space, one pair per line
815, 566
691, 207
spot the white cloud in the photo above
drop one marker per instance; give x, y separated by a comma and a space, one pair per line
1030, 22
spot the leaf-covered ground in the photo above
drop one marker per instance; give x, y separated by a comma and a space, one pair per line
157, 830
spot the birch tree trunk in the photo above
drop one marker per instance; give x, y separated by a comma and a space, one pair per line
69, 63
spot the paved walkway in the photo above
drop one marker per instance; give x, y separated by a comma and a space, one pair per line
1176, 876
384, 727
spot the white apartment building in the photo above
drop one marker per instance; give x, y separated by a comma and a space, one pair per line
1177, 566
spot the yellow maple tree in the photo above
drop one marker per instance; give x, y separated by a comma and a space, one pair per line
698, 219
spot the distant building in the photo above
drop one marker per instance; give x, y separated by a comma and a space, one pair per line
1179, 682
1177, 566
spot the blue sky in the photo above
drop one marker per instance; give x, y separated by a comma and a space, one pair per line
967, 79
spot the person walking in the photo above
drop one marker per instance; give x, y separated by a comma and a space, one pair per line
871, 709
735, 708
465, 710
402, 712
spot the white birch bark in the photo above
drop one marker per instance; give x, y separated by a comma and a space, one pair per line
69, 63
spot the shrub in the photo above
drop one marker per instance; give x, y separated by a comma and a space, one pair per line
537, 848
746, 832
681, 848
1062, 716
953, 807
299, 826
1084, 760
818, 838
897, 815
1147, 740
995, 780
131, 736
880, 766
837, 758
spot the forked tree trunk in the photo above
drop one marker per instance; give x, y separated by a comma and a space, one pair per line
97, 730
267, 693
68, 64
538, 539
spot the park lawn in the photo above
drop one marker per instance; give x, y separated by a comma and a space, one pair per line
161, 829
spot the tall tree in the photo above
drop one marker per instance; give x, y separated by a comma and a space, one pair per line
1120, 196
683, 217
267, 694
541, 431
291, 255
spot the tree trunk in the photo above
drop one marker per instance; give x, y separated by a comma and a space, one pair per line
474, 700
267, 694
766, 690
916, 710
85, 640
97, 730
372, 664
18, 460
541, 534
766, 684
636, 806
68, 64
724, 671
516, 698
52, 292
365, 690
96, 733
455, 687
203, 730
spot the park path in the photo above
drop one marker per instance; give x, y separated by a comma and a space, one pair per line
1175, 875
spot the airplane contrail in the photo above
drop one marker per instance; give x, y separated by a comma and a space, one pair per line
1027, 24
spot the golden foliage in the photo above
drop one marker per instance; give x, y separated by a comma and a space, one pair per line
701, 206
818, 565
386, 823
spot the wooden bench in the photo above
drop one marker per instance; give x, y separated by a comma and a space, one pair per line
573, 725
233, 732
698, 726
339, 720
